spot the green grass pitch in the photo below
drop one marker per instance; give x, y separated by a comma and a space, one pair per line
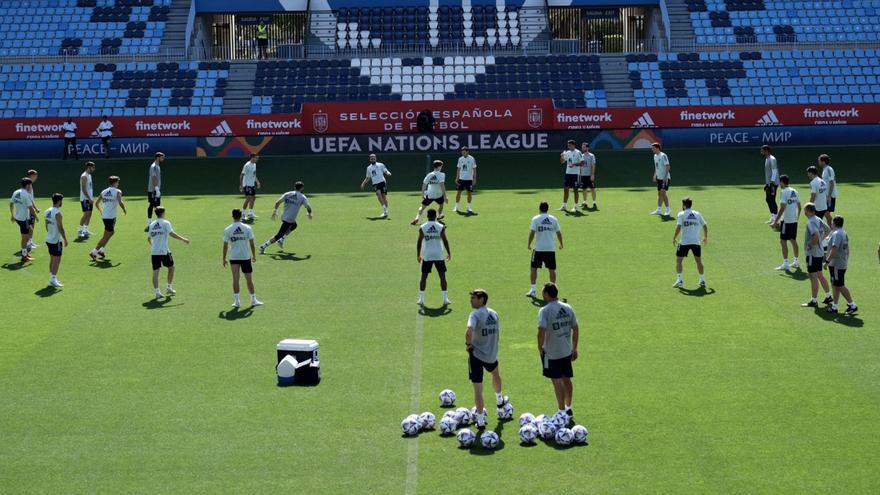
735, 390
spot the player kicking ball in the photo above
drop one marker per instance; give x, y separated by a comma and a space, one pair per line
376, 174
292, 201
661, 178
55, 236
432, 235
688, 224
160, 254
108, 203
238, 244
481, 343
433, 191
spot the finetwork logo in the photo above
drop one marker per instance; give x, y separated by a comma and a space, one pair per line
769, 118
644, 121
222, 129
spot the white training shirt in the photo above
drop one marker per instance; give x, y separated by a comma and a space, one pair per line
109, 202
433, 180
376, 172
22, 200
238, 236
545, 226
53, 236
155, 171
293, 201
589, 163
828, 176
250, 173
105, 129
661, 161
83, 197
69, 129
573, 159
159, 231
466, 166
820, 189
791, 200
558, 321
432, 246
771, 170
691, 222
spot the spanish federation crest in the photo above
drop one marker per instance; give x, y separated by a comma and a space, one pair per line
320, 122
536, 117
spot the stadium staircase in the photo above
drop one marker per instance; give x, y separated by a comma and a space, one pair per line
618, 89
240, 87
680, 25
175, 29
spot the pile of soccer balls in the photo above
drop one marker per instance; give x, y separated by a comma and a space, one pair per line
531, 427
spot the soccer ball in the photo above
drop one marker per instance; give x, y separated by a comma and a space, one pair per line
448, 426
539, 419
526, 419
410, 425
449, 414
427, 420
505, 411
463, 416
564, 436
528, 433
489, 439
580, 433
466, 437
547, 429
560, 419
447, 398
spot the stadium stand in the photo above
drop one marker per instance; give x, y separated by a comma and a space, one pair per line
777, 21
574, 81
756, 77
128, 89
82, 27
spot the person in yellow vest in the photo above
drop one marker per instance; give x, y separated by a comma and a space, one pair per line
262, 39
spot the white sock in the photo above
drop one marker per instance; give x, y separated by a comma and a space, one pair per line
567, 407
812, 299
469, 205
827, 294
421, 295
253, 297
853, 303
236, 298
533, 289
702, 278
444, 295
168, 286
499, 397
24, 253
679, 277
101, 250
456, 205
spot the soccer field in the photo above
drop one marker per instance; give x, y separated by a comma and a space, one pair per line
732, 389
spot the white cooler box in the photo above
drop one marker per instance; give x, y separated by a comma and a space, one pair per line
298, 362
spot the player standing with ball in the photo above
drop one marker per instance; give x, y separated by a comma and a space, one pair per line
433, 191
481, 342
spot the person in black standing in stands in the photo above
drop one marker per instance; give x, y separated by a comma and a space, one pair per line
69, 131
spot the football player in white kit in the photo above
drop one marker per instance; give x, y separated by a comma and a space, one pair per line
86, 200
787, 222
160, 254
293, 201
432, 234
544, 228
248, 183
661, 177
238, 244
573, 160
21, 210
818, 192
481, 343
56, 238
465, 178
688, 224
110, 199
588, 175
376, 174
433, 190
830, 179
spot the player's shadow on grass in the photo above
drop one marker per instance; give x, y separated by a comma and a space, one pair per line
47, 291
14, 266
373, 219
575, 213
666, 218
81, 240
164, 302
796, 275
236, 314
289, 257
477, 448
840, 318
698, 292
434, 312
467, 213
104, 264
